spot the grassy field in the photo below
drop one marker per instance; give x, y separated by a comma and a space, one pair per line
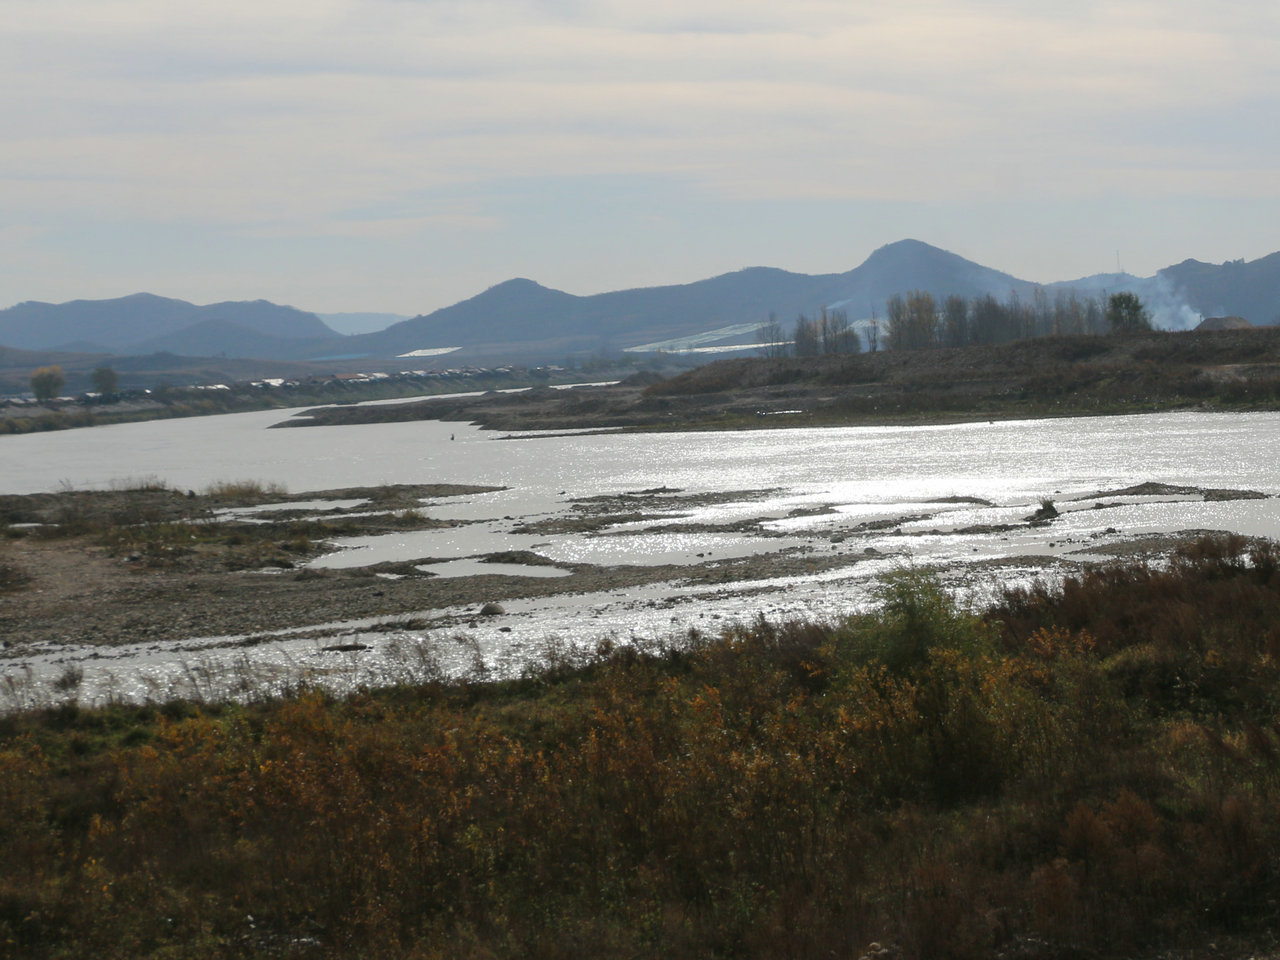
1091, 771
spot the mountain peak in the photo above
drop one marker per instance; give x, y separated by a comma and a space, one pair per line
517, 290
517, 285
906, 243
908, 250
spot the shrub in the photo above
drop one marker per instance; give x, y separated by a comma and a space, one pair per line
777, 790
248, 490
916, 616
47, 382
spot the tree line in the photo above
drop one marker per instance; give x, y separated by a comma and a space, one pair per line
47, 382
828, 333
917, 321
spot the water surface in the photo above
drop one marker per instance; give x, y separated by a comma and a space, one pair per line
784, 492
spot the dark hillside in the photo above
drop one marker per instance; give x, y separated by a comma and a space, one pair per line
126, 324
1044, 356
1250, 290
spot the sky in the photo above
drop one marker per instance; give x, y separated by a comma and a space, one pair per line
402, 155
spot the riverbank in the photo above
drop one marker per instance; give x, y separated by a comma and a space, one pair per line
1085, 771
1026, 379
200, 393
100, 568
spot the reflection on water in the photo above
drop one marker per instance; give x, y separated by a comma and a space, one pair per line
870, 498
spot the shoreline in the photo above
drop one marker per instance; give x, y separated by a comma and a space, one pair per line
1053, 377
81, 580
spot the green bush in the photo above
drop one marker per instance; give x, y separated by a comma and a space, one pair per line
915, 617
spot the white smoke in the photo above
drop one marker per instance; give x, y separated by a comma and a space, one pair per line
1169, 309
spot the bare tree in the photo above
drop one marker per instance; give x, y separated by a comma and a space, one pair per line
805, 341
837, 334
913, 322
955, 321
773, 342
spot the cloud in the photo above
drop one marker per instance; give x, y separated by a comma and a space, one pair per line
287, 116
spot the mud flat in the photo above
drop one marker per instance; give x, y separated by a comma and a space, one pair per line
151, 581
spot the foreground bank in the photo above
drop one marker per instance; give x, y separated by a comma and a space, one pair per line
1091, 771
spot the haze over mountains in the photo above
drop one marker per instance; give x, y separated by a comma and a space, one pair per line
144, 323
522, 321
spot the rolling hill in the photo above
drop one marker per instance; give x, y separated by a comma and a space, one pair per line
522, 321
145, 323
526, 313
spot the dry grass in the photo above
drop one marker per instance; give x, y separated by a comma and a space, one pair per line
244, 491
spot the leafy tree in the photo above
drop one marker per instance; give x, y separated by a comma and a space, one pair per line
1126, 313
47, 382
105, 380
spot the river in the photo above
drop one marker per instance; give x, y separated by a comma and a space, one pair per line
956, 496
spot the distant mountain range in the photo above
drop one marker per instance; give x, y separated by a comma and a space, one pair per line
523, 321
347, 323
521, 315
144, 323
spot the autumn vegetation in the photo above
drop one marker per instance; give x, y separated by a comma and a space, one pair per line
46, 382
1084, 770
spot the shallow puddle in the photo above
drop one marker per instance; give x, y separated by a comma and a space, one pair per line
480, 568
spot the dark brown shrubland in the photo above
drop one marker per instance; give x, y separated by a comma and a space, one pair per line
1088, 771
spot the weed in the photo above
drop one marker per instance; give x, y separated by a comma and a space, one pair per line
248, 491
69, 679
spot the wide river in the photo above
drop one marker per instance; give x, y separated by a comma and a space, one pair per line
813, 489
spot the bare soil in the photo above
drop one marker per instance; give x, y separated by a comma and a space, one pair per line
79, 577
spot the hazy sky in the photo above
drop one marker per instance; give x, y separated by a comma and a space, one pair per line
401, 155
